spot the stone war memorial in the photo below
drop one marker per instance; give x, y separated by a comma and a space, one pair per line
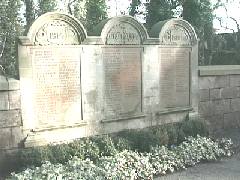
121, 77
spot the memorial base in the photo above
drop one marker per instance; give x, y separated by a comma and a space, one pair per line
55, 135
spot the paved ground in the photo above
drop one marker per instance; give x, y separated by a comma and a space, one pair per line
225, 169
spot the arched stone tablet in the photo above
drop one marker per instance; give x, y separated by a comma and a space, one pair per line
50, 71
56, 29
121, 30
174, 32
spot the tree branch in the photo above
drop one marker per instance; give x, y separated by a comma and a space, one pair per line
237, 24
3, 47
2, 70
225, 27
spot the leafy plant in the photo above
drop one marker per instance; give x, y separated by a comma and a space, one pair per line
109, 145
105, 144
127, 165
133, 165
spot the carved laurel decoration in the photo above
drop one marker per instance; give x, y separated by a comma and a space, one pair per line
56, 32
123, 33
176, 34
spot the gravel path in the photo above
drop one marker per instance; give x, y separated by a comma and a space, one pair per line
225, 169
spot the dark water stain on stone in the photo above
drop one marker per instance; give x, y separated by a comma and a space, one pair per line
92, 98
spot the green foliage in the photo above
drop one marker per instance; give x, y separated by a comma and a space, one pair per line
109, 145
121, 143
106, 145
140, 140
34, 156
133, 165
61, 153
77, 9
200, 15
10, 28
159, 10
164, 160
194, 150
96, 11
127, 165
34, 9
188, 153
133, 9
192, 128
46, 6
74, 169
169, 134
30, 13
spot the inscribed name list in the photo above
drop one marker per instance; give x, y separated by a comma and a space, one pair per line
56, 73
174, 77
122, 94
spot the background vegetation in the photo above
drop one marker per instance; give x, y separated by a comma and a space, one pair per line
18, 15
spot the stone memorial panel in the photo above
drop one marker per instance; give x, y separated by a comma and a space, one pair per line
122, 94
56, 74
174, 77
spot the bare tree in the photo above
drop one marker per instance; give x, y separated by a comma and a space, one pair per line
2, 69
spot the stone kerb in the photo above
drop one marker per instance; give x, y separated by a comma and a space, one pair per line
175, 31
55, 28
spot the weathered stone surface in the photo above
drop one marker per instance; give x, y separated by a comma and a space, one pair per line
232, 120
235, 104
234, 80
10, 137
123, 83
14, 84
5, 138
215, 94
215, 122
3, 83
229, 92
204, 94
10, 118
4, 103
9, 83
218, 70
174, 79
209, 82
17, 137
111, 89
15, 99
211, 108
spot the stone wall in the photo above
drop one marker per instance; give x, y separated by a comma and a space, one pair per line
219, 102
219, 96
10, 114
74, 85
